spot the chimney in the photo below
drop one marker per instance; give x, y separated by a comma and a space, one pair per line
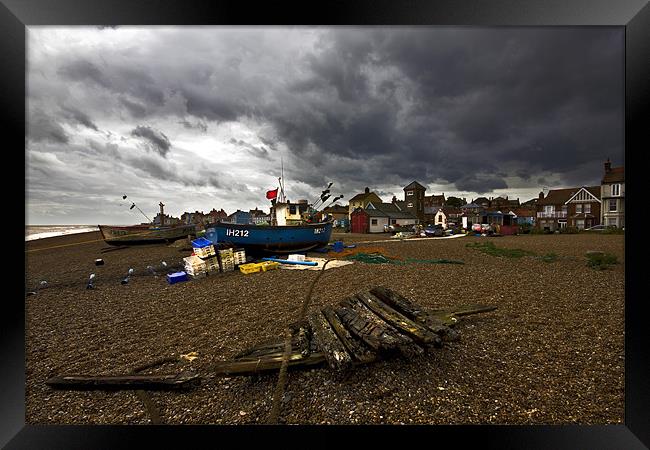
608, 166
541, 195
367, 190
394, 199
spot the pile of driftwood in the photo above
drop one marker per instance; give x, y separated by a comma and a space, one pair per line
360, 329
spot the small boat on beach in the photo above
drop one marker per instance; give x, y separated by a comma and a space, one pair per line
144, 234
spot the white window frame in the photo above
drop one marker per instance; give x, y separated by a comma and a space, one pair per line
409, 192
578, 208
373, 221
409, 205
616, 190
587, 208
609, 206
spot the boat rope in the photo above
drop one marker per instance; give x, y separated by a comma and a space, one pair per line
282, 377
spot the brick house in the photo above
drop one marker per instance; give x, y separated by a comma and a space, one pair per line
572, 207
612, 194
414, 199
215, 216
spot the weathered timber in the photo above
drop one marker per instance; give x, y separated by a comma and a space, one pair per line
148, 382
356, 348
328, 342
399, 303
244, 367
403, 324
302, 339
362, 323
437, 324
404, 343
366, 331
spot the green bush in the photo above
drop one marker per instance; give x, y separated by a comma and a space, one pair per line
490, 249
569, 230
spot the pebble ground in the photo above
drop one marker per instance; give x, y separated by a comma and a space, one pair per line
552, 353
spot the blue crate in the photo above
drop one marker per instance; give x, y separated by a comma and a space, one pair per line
201, 242
176, 277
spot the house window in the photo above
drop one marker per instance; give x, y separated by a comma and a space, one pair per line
616, 189
587, 208
439, 219
612, 205
292, 209
580, 223
393, 221
549, 209
578, 208
409, 205
409, 192
373, 221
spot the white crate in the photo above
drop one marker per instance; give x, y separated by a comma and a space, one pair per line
194, 265
204, 252
296, 257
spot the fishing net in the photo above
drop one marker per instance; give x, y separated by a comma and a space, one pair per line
378, 258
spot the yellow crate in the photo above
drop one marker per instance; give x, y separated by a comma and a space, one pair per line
250, 268
269, 265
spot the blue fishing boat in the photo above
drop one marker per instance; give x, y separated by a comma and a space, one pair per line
271, 238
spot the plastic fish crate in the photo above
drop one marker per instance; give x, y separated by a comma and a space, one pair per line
204, 252
239, 256
177, 277
201, 243
250, 268
194, 264
269, 265
211, 264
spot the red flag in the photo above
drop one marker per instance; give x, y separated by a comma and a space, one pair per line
271, 194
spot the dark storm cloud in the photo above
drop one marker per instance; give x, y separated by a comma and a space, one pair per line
154, 140
79, 117
42, 128
469, 107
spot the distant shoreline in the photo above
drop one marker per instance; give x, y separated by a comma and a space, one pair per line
36, 232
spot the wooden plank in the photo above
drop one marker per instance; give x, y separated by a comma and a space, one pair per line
437, 324
403, 324
398, 302
360, 327
148, 382
328, 342
356, 348
365, 325
248, 367
402, 342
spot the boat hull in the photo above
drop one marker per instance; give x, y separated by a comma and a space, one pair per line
272, 239
144, 234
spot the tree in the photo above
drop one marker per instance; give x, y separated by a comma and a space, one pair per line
455, 202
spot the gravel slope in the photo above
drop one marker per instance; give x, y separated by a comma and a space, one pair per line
552, 353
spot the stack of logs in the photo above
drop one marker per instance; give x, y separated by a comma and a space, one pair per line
359, 330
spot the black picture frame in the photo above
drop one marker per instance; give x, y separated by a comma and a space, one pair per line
634, 15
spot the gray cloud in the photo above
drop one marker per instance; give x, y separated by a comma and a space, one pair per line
154, 140
42, 127
80, 117
379, 107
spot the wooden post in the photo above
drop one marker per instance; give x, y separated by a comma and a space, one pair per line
356, 348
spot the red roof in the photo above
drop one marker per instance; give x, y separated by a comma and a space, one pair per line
614, 175
561, 196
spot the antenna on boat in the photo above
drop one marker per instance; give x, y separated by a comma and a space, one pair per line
133, 205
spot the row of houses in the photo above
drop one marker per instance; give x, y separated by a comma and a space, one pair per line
577, 207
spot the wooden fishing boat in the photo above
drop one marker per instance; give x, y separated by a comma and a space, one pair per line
271, 238
144, 234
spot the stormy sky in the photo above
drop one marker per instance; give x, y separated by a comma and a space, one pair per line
201, 117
